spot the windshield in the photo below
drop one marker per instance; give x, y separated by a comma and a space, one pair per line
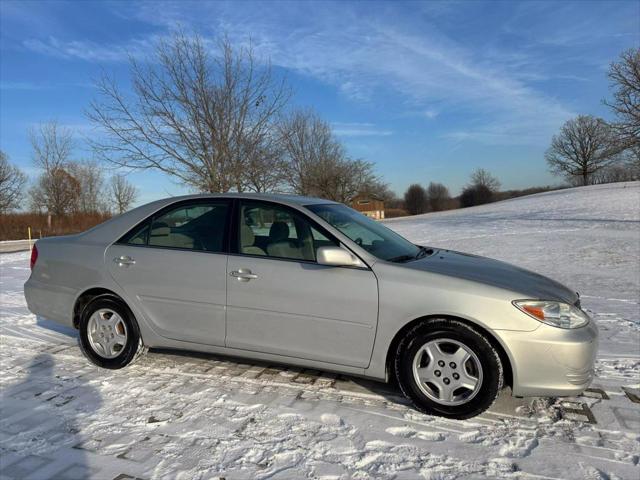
374, 237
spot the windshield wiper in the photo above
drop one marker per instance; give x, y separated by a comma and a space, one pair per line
402, 258
424, 251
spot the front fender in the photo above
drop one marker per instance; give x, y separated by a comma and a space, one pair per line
406, 295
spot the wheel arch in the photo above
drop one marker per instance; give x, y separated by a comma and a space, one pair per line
504, 357
88, 295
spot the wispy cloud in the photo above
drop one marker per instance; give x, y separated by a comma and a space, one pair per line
364, 56
22, 86
359, 130
41, 85
91, 51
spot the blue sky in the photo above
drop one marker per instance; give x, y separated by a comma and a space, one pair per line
426, 90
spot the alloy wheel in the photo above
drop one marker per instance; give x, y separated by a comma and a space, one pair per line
107, 333
447, 371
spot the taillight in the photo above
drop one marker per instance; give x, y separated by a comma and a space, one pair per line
34, 256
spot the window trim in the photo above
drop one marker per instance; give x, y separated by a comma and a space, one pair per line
234, 237
172, 206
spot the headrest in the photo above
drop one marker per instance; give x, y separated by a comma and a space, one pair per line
246, 236
279, 231
160, 232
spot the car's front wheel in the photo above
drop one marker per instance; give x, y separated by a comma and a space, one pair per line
108, 333
445, 367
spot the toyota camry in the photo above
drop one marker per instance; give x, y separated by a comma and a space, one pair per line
313, 283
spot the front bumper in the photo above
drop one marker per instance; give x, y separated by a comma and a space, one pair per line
551, 361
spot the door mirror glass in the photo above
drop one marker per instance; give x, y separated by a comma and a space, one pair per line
337, 257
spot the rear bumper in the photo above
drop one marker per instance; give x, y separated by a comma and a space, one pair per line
551, 361
49, 301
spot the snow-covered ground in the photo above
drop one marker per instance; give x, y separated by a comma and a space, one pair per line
200, 417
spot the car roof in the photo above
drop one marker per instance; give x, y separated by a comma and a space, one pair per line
120, 224
274, 197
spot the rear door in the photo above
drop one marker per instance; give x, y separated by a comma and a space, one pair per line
173, 266
280, 301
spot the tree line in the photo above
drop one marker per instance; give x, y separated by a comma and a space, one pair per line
67, 186
482, 188
63, 186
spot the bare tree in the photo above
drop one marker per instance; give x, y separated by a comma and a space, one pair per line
123, 193
476, 195
625, 169
316, 162
12, 182
379, 190
625, 80
56, 193
617, 172
482, 188
583, 147
56, 190
308, 142
415, 199
195, 117
482, 177
438, 196
632, 160
342, 179
91, 180
52, 145
265, 170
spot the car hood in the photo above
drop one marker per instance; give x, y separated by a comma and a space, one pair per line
495, 273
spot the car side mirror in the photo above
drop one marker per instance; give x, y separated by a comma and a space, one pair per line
337, 257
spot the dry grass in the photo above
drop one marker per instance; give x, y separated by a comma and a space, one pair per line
13, 226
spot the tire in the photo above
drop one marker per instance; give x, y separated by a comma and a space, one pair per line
125, 348
462, 357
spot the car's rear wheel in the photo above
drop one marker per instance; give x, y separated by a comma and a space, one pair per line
109, 334
446, 367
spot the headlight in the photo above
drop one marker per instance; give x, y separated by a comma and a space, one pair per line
556, 314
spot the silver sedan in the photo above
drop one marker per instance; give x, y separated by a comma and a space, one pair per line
310, 282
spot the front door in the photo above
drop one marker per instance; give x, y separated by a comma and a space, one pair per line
174, 267
280, 301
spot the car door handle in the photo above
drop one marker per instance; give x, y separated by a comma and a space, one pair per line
243, 275
124, 261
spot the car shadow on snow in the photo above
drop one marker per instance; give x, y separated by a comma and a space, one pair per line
40, 415
274, 373
56, 327
319, 381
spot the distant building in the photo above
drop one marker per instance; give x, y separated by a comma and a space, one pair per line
369, 205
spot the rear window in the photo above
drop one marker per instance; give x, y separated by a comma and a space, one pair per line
193, 226
137, 236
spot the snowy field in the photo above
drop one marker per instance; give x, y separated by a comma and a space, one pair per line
203, 417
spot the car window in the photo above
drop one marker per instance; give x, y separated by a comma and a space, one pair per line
372, 236
194, 226
139, 236
271, 230
318, 237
